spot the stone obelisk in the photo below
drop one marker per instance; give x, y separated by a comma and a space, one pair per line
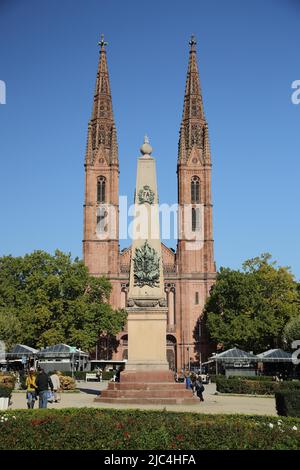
147, 311
146, 378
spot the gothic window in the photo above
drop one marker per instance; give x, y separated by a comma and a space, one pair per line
101, 135
101, 182
103, 85
94, 137
195, 190
195, 219
194, 107
101, 220
197, 298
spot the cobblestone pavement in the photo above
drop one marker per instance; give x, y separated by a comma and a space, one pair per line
212, 404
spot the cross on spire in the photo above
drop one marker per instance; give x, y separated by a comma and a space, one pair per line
193, 43
102, 43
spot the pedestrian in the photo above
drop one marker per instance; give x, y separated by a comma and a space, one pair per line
199, 388
187, 381
31, 388
56, 386
193, 383
43, 383
98, 374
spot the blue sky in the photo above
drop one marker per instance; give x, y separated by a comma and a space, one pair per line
248, 55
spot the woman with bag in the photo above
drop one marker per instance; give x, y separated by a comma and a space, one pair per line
31, 388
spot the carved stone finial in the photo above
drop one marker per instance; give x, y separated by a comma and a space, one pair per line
146, 148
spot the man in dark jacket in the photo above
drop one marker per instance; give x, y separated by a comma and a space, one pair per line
43, 382
199, 388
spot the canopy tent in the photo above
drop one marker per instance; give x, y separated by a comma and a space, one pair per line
234, 355
61, 350
20, 350
275, 355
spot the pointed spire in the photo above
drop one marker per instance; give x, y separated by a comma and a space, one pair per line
193, 118
103, 132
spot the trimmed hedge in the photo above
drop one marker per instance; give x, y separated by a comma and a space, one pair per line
254, 377
95, 429
288, 403
79, 375
242, 385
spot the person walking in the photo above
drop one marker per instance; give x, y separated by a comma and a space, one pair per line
188, 381
199, 388
31, 388
56, 385
43, 383
193, 383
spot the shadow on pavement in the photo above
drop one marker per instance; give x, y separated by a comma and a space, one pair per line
89, 391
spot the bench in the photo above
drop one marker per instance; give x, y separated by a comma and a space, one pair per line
91, 377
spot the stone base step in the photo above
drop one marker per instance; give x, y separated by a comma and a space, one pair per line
165, 393
149, 401
146, 386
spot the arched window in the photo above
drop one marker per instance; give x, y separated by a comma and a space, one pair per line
195, 219
101, 189
195, 190
102, 215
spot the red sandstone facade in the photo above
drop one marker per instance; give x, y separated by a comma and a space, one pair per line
190, 271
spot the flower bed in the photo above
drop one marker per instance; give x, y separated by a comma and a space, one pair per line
149, 430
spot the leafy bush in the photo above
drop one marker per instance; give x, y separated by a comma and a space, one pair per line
6, 378
146, 430
5, 391
66, 383
288, 403
256, 387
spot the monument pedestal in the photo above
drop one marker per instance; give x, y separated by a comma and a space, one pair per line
147, 378
147, 325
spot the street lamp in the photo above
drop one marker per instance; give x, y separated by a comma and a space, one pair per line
200, 354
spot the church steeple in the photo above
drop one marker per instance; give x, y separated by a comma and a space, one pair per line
102, 133
193, 132
101, 207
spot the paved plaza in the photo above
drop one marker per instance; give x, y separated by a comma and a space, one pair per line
213, 404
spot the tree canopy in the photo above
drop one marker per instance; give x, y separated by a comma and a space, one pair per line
292, 330
47, 299
249, 308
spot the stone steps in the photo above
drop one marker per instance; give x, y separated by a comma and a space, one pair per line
153, 393
149, 401
154, 387
145, 386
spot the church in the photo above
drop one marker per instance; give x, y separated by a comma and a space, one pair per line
190, 271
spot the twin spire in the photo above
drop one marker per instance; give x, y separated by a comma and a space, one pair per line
193, 129
102, 136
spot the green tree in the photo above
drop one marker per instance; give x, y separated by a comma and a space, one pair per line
48, 299
249, 308
292, 330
